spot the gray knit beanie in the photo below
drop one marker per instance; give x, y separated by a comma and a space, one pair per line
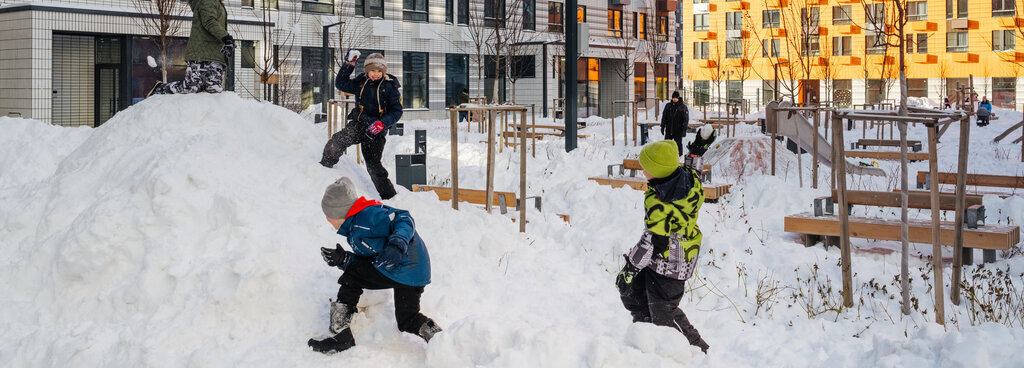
338, 198
375, 62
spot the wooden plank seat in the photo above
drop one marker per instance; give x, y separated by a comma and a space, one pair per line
503, 200
915, 199
865, 143
712, 192
984, 180
989, 238
970, 193
887, 155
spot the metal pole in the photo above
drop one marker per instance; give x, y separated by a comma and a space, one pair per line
937, 284
522, 177
544, 80
490, 159
961, 183
572, 40
453, 115
326, 89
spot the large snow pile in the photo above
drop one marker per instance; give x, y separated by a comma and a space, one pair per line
176, 236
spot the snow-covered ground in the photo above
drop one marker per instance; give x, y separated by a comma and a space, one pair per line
185, 232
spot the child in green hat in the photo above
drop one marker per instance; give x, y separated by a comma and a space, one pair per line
651, 284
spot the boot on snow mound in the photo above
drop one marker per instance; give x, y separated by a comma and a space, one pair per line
337, 343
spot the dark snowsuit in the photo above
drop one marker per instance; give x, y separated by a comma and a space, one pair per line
667, 251
674, 121
204, 60
984, 113
378, 100
367, 233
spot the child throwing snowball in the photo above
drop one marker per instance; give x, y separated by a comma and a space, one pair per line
387, 253
651, 283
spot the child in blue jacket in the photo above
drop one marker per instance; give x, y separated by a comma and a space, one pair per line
387, 253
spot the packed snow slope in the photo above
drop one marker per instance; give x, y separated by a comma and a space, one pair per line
186, 232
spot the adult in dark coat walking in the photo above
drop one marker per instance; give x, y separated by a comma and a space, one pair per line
675, 119
380, 107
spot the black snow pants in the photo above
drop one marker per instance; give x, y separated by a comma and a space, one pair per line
362, 275
373, 151
679, 141
654, 298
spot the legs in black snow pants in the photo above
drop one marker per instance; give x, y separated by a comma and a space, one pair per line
373, 151
655, 299
679, 141
361, 275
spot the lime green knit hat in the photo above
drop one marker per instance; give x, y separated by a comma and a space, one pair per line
660, 159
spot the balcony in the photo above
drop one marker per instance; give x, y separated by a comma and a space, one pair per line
817, 2
739, 63
618, 2
1018, 57
736, 34
777, 33
666, 5
706, 35
776, 4
884, 60
961, 24
706, 64
848, 60
1011, 22
737, 5
923, 58
966, 58
849, 29
924, 26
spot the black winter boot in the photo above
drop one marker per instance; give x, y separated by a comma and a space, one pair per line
339, 342
427, 330
341, 316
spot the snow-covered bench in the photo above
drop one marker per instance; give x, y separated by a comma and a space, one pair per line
984, 180
712, 192
503, 200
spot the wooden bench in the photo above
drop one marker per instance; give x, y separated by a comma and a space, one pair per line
503, 200
984, 180
915, 199
887, 155
971, 193
865, 143
989, 238
711, 192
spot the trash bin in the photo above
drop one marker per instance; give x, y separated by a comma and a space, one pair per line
412, 169
643, 133
397, 129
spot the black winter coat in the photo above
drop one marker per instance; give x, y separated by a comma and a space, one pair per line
378, 100
675, 119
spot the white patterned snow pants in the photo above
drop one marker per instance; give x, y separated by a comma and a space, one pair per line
200, 76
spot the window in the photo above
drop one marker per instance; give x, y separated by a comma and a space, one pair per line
456, 77
734, 90
530, 15
660, 81
922, 43
247, 3
640, 82
959, 7
415, 81
874, 44
662, 27
265, 4
700, 50
771, 19
318, 6
523, 66
1004, 92
370, 8
842, 15
734, 21
463, 11
1004, 8
248, 54
449, 11
555, 17
917, 11
614, 23
581, 13
1003, 40
842, 46
494, 13
767, 91
312, 81
701, 92
771, 47
917, 87
701, 22
734, 49
842, 92
640, 28
811, 46
809, 18
956, 42
414, 10
874, 15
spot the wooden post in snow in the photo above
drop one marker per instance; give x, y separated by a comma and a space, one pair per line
844, 209
961, 183
522, 176
491, 117
814, 145
937, 284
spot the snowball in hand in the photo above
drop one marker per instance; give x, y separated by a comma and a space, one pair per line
151, 61
706, 131
352, 55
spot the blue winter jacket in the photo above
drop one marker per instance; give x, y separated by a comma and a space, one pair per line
378, 100
368, 232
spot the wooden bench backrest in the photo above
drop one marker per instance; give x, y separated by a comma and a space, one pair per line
474, 196
887, 155
914, 200
984, 180
630, 164
884, 142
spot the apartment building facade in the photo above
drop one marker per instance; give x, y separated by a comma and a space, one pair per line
79, 62
828, 50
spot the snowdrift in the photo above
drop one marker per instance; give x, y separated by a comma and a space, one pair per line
185, 232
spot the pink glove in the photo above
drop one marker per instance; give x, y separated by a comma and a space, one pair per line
375, 128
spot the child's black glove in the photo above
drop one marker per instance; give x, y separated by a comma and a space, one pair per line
626, 275
393, 252
337, 257
705, 137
